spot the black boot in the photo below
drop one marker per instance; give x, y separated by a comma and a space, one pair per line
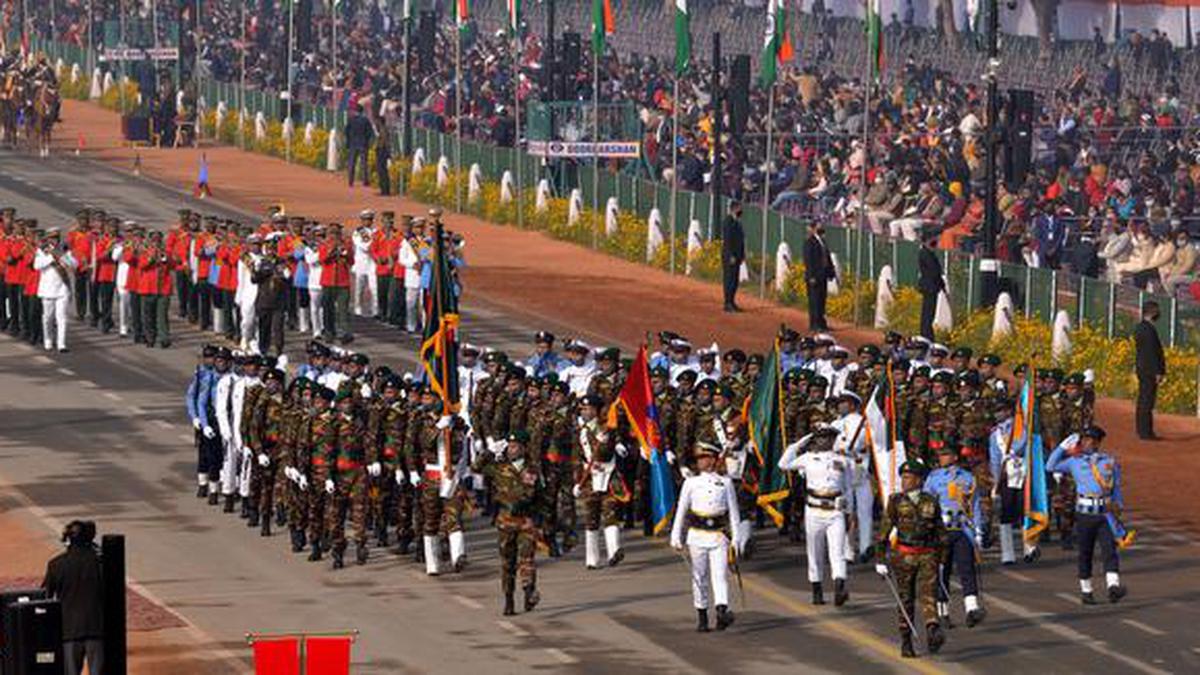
228, 504
202, 491
245, 512
252, 517
280, 517
265, 531
1115, 593
316, 552
338, 562
294, 534
840, 594
419, 554
509, 607
1087, 598
214, 497
360, 553
906, 646
405, 543
975, 617
702, 621
555, 551
818, 594
724, 617
381, 537
532, 598
936, 637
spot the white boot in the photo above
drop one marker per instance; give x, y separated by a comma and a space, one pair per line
743, 536
201, 479
1007, 555
433, 556
303, 321
458, 550
612, 543
591, 539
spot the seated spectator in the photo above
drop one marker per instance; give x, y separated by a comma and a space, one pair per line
1180, 270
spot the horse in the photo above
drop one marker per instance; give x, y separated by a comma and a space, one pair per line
40, 117
12, 96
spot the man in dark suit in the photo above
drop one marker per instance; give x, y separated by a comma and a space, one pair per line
733, 253
929, 282
1151, 368
818, 270
358, 139
75, 579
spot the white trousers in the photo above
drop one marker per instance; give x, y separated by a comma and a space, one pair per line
54, 315
864, 500
124, 312
710, 567
908, 228
249, 327
412, 308
314, 311
366, 294
825, 539
231, 467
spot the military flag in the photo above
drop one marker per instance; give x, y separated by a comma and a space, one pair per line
763, 415
1024, 434
636, 400
439, 347
887, 451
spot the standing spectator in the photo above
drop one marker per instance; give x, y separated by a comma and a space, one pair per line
818, 270
1151, 368
383, 155
733, 253
75, 578
358, 139
929, 282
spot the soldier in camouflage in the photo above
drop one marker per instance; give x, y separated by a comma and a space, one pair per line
266, 430
323, 441
347, 484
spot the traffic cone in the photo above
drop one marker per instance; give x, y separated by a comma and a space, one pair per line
79, 144
202, 190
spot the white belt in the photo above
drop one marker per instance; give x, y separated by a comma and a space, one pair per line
1085, 504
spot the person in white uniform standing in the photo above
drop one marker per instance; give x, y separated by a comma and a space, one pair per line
54, 263
708, 509
827, 479
852, 442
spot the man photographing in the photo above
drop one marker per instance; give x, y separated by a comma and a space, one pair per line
74, 578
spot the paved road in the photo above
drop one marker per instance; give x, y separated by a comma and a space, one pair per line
100, 432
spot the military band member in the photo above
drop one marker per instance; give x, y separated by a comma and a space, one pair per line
708, 510
518, 491
959, 500
828, 476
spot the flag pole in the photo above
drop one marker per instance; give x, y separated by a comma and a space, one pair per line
868, 68
242, 84
333, 17
517, 45
291, 32
596, 138
766, 200
458, 103
674, 163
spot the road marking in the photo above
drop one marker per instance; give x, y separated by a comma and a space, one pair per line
1145, 628
88, 384
187, 438
1044, 619
66, 371
43, 359
163, 424
513, 628
1175, 537
1017, 575
561, 656
112, 395
137, 410
466, 602
1073, 599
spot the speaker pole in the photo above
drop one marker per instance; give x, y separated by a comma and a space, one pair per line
718, 129
988, 267
112, 552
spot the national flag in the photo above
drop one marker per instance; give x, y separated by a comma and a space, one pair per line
462, 13
439, 346
514, 17
763, 415
887, 452
875, 38
636, 400
602, 24
777, 43
683, 37
1024, 434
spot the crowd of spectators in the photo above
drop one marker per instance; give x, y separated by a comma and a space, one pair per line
1111, 189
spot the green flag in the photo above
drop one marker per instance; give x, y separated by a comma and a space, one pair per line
874, 38
764, 419
439, 346
683, 37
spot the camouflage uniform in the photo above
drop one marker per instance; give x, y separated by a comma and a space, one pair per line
599, 508
350, 484
379, 488
250, 468
517, 491
974, 425
439, 515
297, 450
323, 434
913, 559
1077, 416
391, 456
552, 444
266, 431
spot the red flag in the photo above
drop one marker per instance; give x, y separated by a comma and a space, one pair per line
277, 657
328, 656
636, 400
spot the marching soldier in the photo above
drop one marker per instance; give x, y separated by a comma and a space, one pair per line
708, 509
1006, 460
386, 468
827, 474
1098, 507
297, 453
959, 500
517, 491
346, 484
266, 433
323, 436
597, 484
552, 442
436, 472
1077, 417
860, 499
974, 423
910, 563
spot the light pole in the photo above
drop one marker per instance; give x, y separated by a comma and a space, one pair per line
988, 267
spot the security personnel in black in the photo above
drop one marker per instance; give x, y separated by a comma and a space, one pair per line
929, 281
733, 253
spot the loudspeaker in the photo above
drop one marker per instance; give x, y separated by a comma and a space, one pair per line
426, 32
739, 94
8, 598
33, 638
1018, 152
570, 55
112, 559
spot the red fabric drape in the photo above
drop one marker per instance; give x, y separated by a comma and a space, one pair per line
328, 656
277, 657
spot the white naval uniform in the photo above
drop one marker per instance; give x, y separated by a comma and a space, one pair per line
365, 281
707, 495
578, 378
317, 316
231, 457
245, 296
827, 480
122, 281
54, 290
860, 499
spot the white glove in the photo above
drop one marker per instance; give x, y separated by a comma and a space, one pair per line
670, 457
329, 485
677, 545
290, 473
209, 433
477, 445
414, 478
498, 448
374, 468
263, 460
1089, 376
246, 454
577, 491
444, 422
196, 423
303, 482
365, 391
400, 478
881, 569
1071, 440
1057, 477
622, 450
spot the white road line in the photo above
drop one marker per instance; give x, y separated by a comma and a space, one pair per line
512, 628
1045, 620
88, 384
137, 410
163, 424
1073, 599
1017, 575
561, 656
1145, 628
66, 371
466, 602
112, 395
186, 438
43, 359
